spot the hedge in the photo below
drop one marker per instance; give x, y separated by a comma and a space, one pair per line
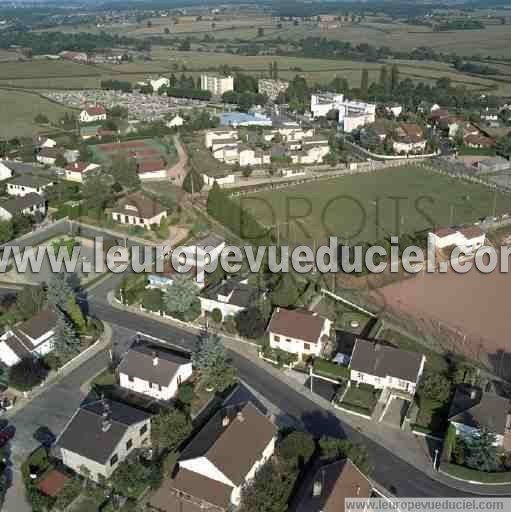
329, 369
355, 408
476, 476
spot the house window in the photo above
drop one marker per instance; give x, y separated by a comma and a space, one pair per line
288, 340
129, 445
131, 379
306, 347
114, 460
142, 221
276, 338
143, 430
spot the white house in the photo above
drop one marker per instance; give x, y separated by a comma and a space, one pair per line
229, 297
27, 184
32, 338
153, 370
158, 83
93, 114
48, 156
29, 204
175, 122
222, 181
249, 156
217, 135
299, 332
229, 154
139, 210
356, 114
409, 138
101, 435
223, 457
385, 367
204, 250
77, 171
322, 103
5, 171
469, 238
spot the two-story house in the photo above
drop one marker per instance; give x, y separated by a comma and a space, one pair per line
32, 338
137, 209
154, 370
299, 332
472, 410
30, 205
218, 461
101, 435
385, 367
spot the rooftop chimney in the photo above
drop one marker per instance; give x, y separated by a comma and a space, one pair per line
225, 421
357, 490
240, 417
473, 394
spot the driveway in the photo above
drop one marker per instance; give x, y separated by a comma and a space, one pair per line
396, 412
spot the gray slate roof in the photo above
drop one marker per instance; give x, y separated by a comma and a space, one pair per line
84, 434
139, 362
20, 203
382, 361
243, 295
27, 180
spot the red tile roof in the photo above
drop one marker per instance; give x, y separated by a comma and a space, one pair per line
95, 110
77, 167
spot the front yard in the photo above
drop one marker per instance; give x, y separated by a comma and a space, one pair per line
432, 416
362, 398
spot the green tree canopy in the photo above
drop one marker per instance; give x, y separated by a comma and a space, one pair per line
180, 295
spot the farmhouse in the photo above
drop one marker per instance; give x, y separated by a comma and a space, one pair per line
223, 457
139, 210
299, 332
29, 204
153, 370
93, 114
48, 156
385, 367
77, 171
100, 435
473, 409
409, 138
327, 486
32, 338
27, 184
229, 297
468, 239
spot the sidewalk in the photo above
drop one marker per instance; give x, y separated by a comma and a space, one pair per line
55, 376
407, 446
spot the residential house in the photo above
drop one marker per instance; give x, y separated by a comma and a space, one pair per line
32, 338
41, 142
468, 239
152, 169
409, 138
228, 154
490, 115
78, 171
29, 204
394, 109
479, 141
5, 170
27, 184
175, 122
249, 156
491, 165
93, 113
223, 457
48, 156
322, 103
139, 210
222, 143
385, 367
229, 297
158, 83
101, 435
204, 250
218, 135
165, 277
220, 180
299, 332
327, 486
473, 410
153, 370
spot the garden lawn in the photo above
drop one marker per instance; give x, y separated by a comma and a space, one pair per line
432, 416
363, 398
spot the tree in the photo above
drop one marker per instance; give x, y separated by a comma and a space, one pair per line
251, 323
169, 429
65, 342
435, 386
41, 119
180, 295
210, 359
129, 478
364, 84
28, 373
504, 146
216, 316
193, 182
124, 171
30, 300
482, 452
59, 290
60, 161
394, 77
76, 316
333, 448
297, 448
286, 292
152, 299
96, 193
6, 231
260, 32
166, 30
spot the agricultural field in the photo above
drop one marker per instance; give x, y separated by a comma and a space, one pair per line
364, 207
20, 108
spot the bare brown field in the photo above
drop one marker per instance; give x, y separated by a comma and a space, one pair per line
473, 307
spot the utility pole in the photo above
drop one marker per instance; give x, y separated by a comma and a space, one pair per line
435, 460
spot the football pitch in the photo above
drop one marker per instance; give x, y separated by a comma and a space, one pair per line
371, 207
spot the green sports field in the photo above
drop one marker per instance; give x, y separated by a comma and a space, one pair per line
369, 207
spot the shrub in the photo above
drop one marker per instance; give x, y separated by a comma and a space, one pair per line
216, 316
152, 300
185, 393
27, 374
297, 448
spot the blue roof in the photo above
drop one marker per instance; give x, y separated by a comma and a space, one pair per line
240, 118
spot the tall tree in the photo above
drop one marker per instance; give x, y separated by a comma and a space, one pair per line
66, 343
96, 192
482, 452
124, 171
193, 182
169, 429
286, 292
180, 295
364, 84
30, 300
394, 77
59, 291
